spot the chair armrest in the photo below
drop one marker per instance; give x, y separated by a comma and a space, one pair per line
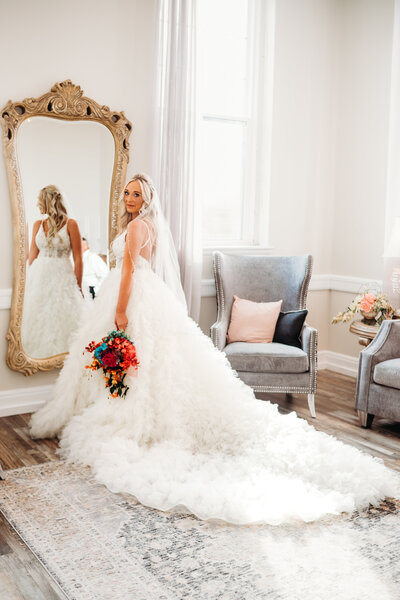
219, 329
384, 346
309, 340
218, 334
309, 343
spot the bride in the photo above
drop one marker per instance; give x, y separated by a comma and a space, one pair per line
53, 298
190, 435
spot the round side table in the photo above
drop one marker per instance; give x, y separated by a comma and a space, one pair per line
365, 332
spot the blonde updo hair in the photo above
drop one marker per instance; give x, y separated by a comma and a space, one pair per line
148, 190
51, 202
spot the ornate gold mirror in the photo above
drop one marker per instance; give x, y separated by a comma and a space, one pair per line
77, 151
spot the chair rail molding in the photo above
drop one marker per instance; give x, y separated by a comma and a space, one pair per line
341, 283
335, 283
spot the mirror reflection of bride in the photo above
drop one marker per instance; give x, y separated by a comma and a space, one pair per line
53, 295
189, 434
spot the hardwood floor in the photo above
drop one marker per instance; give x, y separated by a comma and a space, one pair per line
22, 577
17, 449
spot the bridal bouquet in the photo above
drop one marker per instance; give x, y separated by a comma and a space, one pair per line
116, 355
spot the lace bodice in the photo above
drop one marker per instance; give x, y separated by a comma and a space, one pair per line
118, 248
60, 245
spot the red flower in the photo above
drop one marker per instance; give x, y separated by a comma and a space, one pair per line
109, 360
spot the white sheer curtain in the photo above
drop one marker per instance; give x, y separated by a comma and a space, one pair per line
176, 139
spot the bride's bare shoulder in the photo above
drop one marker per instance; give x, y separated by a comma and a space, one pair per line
136, 228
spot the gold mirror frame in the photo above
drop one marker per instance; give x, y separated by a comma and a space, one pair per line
64, 101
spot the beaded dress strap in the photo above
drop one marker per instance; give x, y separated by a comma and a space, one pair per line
148, 235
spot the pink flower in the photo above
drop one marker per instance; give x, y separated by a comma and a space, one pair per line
367, 302
369, 298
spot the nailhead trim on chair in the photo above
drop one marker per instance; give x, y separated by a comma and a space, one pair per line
304, 286
288, 390
220, 302
314, 360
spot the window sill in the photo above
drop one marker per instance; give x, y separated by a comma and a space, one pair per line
207, 251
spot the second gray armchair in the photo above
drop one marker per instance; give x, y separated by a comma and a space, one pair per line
378, 382
267, 367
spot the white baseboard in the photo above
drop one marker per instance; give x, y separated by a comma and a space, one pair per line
340, 363
5, 298
23, 400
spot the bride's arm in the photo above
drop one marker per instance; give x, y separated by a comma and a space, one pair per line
135, 235
34, 251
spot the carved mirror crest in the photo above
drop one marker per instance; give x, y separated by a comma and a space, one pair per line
66, 141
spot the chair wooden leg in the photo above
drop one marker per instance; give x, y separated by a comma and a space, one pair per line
365, 418
311, 405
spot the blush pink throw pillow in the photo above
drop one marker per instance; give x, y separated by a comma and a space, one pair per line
253, 321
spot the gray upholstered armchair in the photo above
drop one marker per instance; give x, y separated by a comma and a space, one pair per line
266, 367
378, 381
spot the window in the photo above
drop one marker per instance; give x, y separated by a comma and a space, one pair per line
230, 132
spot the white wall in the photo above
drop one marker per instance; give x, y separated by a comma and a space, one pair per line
303, 131
330, 132
362, 122
364, 54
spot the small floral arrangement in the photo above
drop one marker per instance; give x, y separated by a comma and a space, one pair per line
116, 355
373, 307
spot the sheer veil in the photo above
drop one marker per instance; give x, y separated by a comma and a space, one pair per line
164, 260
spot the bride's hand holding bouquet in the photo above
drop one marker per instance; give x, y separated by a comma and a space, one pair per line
121, 320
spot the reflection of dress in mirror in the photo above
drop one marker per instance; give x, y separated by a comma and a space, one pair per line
53, 298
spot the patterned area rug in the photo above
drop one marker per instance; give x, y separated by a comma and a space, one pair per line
98, 545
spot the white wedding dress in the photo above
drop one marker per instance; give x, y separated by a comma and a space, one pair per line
52, 301
190, 435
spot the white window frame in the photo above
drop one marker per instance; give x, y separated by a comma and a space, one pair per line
258, 123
